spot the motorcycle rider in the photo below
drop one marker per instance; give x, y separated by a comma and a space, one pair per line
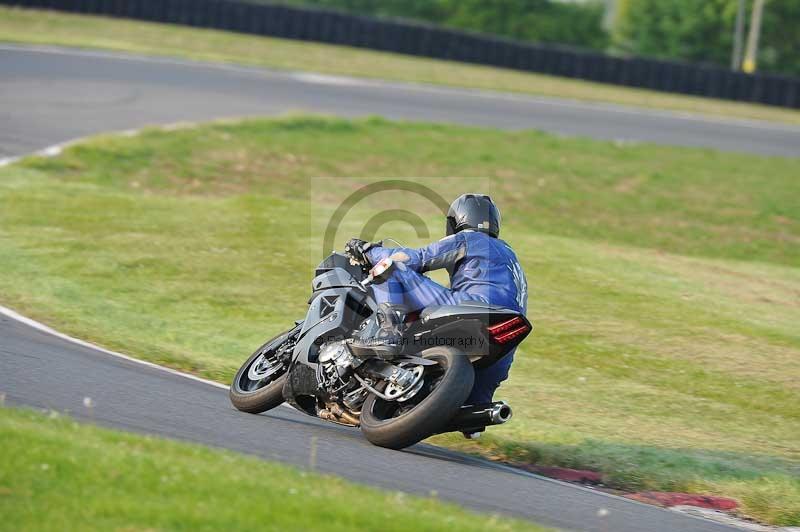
481, 266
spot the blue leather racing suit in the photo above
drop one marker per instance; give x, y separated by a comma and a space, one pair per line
481, 268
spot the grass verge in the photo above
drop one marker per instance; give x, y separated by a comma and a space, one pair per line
47, 27
56, 474
664, 282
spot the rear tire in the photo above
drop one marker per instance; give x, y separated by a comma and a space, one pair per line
431, 414
267, 397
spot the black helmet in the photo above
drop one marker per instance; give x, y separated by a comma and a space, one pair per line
473, 211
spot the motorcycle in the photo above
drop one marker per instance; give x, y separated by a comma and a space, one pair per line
396, 401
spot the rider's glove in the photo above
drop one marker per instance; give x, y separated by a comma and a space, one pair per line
357, 249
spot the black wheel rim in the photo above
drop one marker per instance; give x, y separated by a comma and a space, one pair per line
265, 367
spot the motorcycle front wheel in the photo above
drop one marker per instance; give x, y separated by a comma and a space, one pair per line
396, 425
258, 385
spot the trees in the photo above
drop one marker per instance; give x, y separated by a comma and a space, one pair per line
702, 31
533, 20
780, 37
550, 21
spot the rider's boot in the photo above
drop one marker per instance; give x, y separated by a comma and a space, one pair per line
387, 340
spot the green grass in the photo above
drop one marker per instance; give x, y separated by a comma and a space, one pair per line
58, 475
664, 282
47, 27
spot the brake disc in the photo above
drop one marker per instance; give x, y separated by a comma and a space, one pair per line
400, 392
262, 368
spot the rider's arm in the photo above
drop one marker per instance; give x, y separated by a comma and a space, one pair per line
442, 254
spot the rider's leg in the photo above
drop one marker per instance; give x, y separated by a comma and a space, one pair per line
487, 380
390, 291
418, 292
402, 292
414, 289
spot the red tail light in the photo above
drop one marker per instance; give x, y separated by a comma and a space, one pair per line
505, 331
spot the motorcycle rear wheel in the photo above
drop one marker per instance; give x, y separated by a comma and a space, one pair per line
397, 425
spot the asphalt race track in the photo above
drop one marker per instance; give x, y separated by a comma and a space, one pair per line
51, 96
40, 370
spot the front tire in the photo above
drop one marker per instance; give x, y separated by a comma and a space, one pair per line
396, 429
252, 395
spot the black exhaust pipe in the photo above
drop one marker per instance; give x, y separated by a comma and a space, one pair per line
474, 418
